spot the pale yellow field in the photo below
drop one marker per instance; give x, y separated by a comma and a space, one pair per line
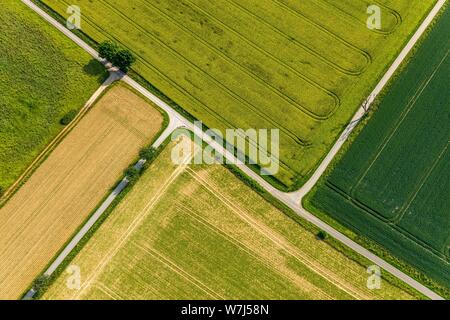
197, 232
63, 191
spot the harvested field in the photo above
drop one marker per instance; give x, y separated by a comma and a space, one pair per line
64, 190
43, 76
198, 232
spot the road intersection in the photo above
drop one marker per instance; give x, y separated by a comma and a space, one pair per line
293, 199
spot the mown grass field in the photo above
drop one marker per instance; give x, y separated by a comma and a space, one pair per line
62, 192
43, 76
393, 183
198, 232
302, 67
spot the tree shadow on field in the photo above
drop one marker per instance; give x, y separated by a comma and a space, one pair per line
95, 68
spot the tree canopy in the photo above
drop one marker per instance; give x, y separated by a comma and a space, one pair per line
121, 58
108, 50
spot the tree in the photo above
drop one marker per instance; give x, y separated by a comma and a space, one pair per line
322, 235
123, 60
147, 153
108, 50
41, 284
68, 117
132, 174
2, 191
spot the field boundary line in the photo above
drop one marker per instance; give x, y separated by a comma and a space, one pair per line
371, 98
56, 140
32, 218
43, 204
86, 227
298, 140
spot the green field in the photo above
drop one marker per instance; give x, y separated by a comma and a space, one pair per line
299, 66
393, 184
43, 75
198, 232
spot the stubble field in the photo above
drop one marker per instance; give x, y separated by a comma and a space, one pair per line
43, 75
198, 232
46, 211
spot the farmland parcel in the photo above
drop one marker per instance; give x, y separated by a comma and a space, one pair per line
63, 191
300, 66
393, 185
198, 232
43, 75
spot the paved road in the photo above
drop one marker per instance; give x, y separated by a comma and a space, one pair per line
293, 200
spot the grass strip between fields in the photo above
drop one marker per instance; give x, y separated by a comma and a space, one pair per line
71, 181
44, 77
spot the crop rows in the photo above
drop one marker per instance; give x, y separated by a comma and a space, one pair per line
392, 185
294, 66
198, 232
63, 191
43, 77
